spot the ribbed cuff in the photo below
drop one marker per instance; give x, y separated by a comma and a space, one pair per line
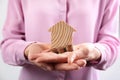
20, 54
102, 61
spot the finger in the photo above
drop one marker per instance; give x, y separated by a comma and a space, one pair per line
42, 56
45, 66
71, 58
51, 57
33, 56
66, 66
81, 62
78, 54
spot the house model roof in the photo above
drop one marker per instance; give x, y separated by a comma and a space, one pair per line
61, 34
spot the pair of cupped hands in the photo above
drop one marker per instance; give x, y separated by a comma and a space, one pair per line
40, 55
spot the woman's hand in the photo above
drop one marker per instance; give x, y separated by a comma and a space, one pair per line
86, 51
80, 56
35, 49
76, 65
40, 55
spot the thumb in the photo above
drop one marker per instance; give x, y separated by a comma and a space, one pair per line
71, 57
81, 62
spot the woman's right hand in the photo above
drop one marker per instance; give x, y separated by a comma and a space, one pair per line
40, 55
34, 49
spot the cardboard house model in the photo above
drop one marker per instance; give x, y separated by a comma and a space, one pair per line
61, 35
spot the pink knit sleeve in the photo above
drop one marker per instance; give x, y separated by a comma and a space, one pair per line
108, 42
13, 43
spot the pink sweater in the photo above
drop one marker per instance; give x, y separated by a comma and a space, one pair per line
29, 20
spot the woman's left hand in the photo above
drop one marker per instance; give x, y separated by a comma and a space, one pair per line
85, 51
79, 57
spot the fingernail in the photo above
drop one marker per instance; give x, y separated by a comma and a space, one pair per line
72, 59
69, 60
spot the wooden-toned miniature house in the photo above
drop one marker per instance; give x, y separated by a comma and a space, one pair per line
61, 35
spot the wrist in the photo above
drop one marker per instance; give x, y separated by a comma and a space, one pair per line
97, 59
93, 62
28, 48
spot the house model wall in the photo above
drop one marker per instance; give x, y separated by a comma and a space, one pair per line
61, 36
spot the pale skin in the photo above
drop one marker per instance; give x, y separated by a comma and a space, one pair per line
40, 55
